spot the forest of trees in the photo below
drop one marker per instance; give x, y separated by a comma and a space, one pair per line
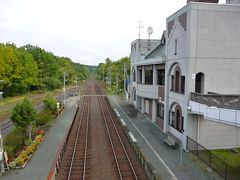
30, 68
112, 72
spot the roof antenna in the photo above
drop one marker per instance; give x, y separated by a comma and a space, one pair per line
140, 26
149, 31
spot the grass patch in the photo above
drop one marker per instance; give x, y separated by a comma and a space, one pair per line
35, 97
229, 157
11, 100
2, 112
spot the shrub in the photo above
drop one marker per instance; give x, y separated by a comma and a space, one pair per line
29, 150
50, 104
20, 161
39, 131
14, 141
43, 118
24, 155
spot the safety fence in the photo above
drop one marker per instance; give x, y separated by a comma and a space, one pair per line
214, 162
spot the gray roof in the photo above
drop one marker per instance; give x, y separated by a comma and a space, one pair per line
159, 51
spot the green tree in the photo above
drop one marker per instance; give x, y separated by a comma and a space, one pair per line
23, 116
50, 104
18, 69
114, 70
47, 67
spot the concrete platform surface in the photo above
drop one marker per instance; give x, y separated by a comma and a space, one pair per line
39, 165
164, 159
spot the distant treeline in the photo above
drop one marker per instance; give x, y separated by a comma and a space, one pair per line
112, 72
31, 68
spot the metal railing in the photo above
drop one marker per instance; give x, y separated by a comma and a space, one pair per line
219, 100
214, 162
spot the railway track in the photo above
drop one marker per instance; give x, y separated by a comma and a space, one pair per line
96, 146
122, 160
78, 165
6, 127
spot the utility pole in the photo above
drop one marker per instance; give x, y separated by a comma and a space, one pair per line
124, 72
117, 79
64, 89
181, 147
76, 86
125, 78
110, 79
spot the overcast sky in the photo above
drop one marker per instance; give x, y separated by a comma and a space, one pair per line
87, 31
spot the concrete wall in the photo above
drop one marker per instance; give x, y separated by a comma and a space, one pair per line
177, 29
213, 135
214, 47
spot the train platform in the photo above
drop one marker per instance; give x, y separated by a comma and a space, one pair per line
150, 139
40, 164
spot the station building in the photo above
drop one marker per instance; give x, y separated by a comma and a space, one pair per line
148, 76
199, 54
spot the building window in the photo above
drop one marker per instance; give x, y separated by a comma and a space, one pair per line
199, 83
175, 52
178, 81
134, 75
176, 119
149, 77
161, 77
172, 82
182, 84
139, 75
160, 110
134, 94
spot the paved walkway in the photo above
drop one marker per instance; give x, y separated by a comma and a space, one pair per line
40, 164
150, 139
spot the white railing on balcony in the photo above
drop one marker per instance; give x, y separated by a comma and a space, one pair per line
150, 91
227, 116
147, 91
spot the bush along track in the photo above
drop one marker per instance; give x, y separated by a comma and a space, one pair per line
25, 155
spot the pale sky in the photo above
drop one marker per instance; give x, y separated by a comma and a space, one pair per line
87, 31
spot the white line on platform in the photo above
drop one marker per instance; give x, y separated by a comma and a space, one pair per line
132, 137
117, 112
123, 123
154, 151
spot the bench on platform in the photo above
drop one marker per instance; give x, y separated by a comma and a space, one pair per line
170, 141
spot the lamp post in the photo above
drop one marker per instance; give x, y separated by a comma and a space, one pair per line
1, 82
181, 147
1, 154
64, 88
58, 106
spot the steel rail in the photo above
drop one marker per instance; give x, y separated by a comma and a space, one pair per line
119, 137
129, 161
110, 139
76, 140
86, 144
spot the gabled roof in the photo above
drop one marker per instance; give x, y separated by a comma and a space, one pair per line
160, 49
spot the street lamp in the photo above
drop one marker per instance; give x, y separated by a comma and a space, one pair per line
1, 82
181, 148
1, 154
58, 106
